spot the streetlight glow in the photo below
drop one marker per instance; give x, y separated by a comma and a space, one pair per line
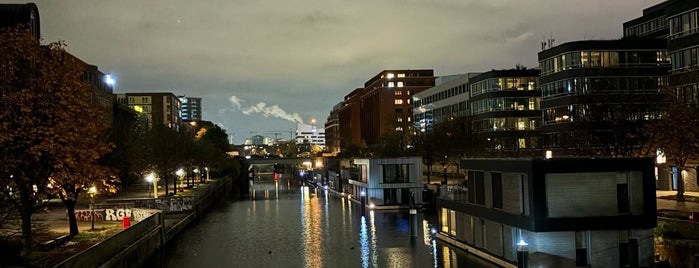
92, 191
153, 182
109, 80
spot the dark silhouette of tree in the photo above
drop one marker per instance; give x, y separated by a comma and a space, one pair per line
211, 148
129, 137
52, 131
170, 149
675, 133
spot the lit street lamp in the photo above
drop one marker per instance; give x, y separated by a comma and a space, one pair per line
152, 182
362, 200
92, 192
180, 174
197, 177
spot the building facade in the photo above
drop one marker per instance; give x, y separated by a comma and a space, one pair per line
161, 108
388, 183
505, 112
571, 212
13, 15
310, 134
677, 23
191, 108
596, 94
332, 130
448, 99
349, 116
382, 107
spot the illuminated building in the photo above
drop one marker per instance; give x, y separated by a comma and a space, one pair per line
570, 212
383, 106
158, 108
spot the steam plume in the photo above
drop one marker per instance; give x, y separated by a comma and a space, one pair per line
266, 111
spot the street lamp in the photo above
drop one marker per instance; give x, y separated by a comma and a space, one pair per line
197, 177
207, 173
362, 200
153, 182
179, 173
109, 80
92, 192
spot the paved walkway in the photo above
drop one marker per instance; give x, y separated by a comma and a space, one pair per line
666, 204
55, 218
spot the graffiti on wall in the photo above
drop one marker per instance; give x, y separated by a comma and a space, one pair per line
85, 215
106, 214
167, 205
138, 214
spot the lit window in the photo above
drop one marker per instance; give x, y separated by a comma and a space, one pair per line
390, 84
397, 92
398, 101
407, 100
400, 119
399, 129
409, 119
138, 108
389, 75
408, 92
401, 75
400, 84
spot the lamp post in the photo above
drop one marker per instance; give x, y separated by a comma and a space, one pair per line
179, 173
92, 191
207, 174
153, 182
197, 177
362, 200
522, 254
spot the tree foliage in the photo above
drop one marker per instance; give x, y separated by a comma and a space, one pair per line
51, 128
170, 149
677, 136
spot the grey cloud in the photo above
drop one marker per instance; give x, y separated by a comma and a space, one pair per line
306, 55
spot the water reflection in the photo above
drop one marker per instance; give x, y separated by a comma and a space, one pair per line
308, 227
311, 231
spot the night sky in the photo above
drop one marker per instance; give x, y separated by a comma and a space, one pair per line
263, 65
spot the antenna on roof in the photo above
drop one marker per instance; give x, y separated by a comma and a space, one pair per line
547, 43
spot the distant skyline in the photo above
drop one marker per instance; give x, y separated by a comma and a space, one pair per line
262, 66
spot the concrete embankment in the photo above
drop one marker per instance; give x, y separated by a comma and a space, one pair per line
157, 221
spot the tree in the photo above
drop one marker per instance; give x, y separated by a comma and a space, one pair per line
211, 147
676, 134
169, 149
51, 127
130, 146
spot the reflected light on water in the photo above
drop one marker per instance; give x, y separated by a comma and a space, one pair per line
311, 233
364, 242
374, 254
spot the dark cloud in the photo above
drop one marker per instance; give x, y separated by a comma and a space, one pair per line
303, 57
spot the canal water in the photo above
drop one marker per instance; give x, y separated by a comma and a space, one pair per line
283, 224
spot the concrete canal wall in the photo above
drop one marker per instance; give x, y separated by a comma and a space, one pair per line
137, 243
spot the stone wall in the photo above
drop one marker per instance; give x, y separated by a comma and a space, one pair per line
136, 244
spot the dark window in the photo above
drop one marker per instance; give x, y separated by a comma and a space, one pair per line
497, 189
399, 110
476, 187
580, 257
622, 197
471, 186
396, 173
